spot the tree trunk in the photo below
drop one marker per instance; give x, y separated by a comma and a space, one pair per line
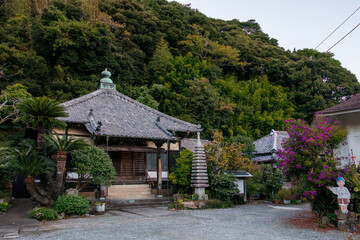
60, 163
30, 187
40, 138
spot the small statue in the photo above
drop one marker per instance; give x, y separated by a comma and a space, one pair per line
342, 193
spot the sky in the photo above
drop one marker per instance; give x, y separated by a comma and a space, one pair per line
297, 24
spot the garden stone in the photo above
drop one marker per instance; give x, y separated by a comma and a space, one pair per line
324, 221
176, 197
347, 226
201, 204
351, 216
72, 191
190, 204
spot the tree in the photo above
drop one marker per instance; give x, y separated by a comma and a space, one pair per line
63, 145
9, 98
93, 165
160, 62
29, 162
181, 175
41, 113
223, 156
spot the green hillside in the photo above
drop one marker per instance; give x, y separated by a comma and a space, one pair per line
227, 75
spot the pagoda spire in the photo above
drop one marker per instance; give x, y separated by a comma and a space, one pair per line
106, 82
199, 175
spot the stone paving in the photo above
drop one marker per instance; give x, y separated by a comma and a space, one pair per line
249, 221
18, 215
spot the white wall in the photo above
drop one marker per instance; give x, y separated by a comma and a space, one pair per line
351, 146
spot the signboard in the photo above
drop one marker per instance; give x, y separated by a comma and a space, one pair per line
240, 185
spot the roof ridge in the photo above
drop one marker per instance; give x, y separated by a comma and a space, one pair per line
131, 100
337, 107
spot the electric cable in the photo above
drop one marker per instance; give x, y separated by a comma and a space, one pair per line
337, 28
342, 38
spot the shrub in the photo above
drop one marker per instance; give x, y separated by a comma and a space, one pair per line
253, 186
4, 207
44, 214
93, 166
272, 179
71, 204
181, 176
284, 194
223, 186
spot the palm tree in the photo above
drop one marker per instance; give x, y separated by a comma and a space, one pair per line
29, 162
62, 145
41, 113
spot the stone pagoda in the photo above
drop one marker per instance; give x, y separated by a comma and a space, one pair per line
199, 176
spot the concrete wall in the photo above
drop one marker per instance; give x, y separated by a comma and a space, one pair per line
351, 146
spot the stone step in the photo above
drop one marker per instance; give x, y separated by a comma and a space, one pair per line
125, 192
135, 203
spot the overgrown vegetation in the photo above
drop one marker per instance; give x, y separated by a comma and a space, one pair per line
71, 204
228, 76
181, 175
44, 214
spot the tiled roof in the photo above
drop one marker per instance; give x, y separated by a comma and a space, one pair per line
241, 173
190, 143
122, 116
270, 143
351, 104
266, 147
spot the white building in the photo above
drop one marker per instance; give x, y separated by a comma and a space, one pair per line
348, 113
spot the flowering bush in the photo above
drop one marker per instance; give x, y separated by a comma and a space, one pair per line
307, 157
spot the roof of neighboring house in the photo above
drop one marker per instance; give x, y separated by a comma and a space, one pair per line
351, 104
266, 147
190, 143
241, 174
122, 116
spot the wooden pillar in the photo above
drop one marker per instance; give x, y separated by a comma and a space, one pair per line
159, 170
168, 165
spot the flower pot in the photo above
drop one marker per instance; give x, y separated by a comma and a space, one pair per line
103, 205
277, 201
100, 207
287, 202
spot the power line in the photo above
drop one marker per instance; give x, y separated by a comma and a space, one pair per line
337, 28
342, 38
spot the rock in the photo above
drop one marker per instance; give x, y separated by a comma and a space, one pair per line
72, 191
324, 220
200, 204
62, 215
347, 226
351, 216
176, 197
190, 204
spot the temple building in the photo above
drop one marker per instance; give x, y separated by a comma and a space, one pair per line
141, 141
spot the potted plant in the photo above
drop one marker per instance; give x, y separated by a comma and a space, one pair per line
100, 206
285, 195
277, 199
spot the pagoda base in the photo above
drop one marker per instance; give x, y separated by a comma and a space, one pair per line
201, 193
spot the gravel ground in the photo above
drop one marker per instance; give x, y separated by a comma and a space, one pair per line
241, 222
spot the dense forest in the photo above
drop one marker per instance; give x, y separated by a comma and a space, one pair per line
226, 75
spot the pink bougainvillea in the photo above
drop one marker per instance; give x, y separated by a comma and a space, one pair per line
308, 152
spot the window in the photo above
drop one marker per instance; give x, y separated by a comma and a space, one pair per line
151, 162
